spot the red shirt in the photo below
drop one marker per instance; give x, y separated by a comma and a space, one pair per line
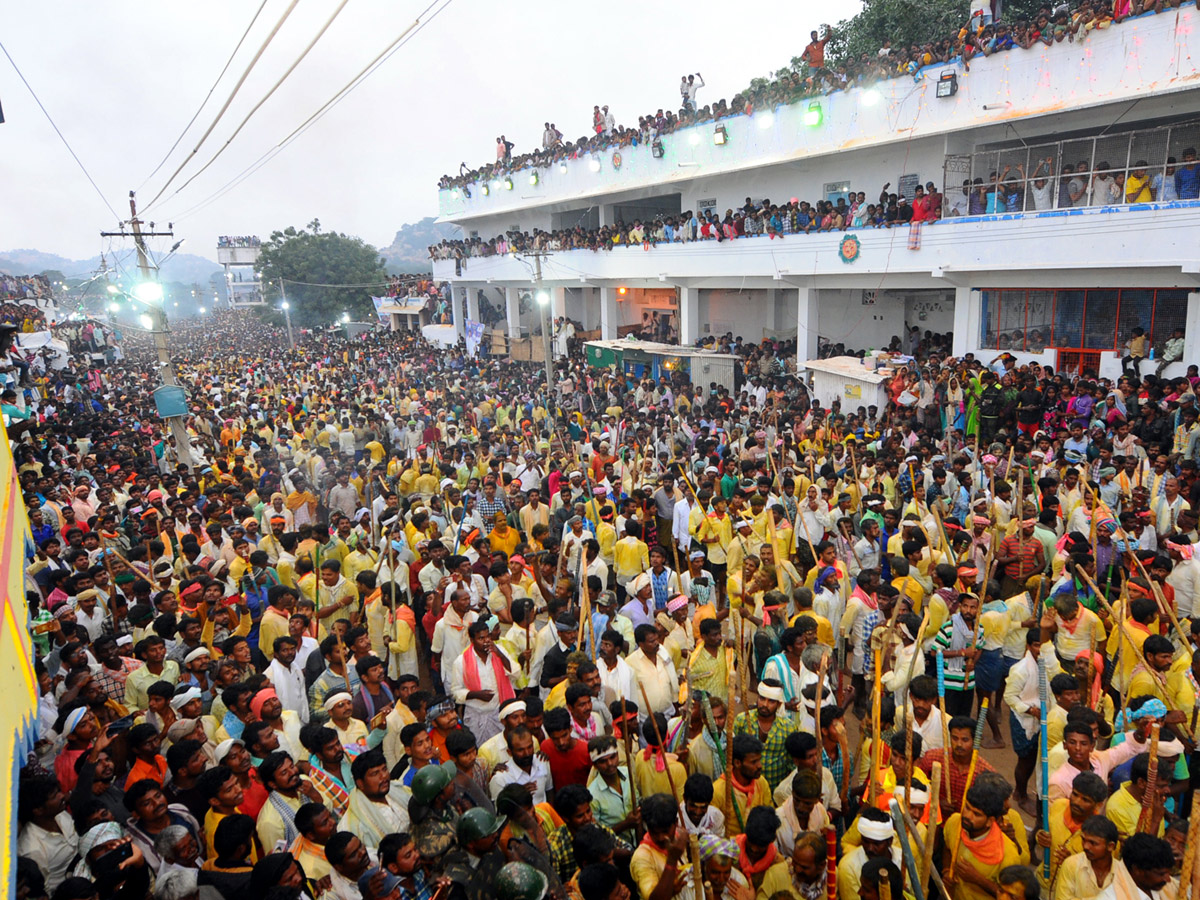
571, 767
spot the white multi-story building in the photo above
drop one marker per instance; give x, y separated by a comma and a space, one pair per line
1063, 285
238, 255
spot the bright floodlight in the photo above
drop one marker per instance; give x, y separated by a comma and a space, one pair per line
346, 317
114, 307
766, 120
203, 310
594, 164
543, 297
694, 138
562, 167
870, 97
145, 322
112, 289
148, 292
285, 305
814, 116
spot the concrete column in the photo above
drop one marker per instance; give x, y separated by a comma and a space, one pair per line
605, 212
608, 313
558, 302
964, 338
808, 304
587, 314
1191, 331
689, 316
456, 308
512, 311
473, 303
774, 313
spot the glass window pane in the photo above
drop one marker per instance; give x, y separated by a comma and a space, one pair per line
991, 313
1039, 320
1137, 308
1068, 319
1012, 321
1100, 320
1170, 312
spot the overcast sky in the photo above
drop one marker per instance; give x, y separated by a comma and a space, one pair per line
122, 78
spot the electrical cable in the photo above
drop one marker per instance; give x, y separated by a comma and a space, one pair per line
207, 96
267, 96
61, 137
363, 75
228, 100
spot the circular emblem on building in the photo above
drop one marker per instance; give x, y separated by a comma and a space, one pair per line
616, 160
849, 248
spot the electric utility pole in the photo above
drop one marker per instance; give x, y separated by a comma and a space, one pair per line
158, 325
542, 300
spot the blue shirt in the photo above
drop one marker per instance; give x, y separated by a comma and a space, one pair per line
1187, 182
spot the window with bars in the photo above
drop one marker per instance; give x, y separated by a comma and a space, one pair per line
1109, 169
1035, 320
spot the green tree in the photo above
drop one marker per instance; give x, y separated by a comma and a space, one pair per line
903, 22
308, 257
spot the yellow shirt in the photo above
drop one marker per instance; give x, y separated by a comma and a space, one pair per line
651, 781
722, 529
963, 890
759, 796
631, 557
1124, 810
1137, 189
1076, 879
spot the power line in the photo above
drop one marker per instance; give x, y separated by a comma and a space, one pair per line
237, 87
267, 96
61, 137
408, 34
207, 96
319, 284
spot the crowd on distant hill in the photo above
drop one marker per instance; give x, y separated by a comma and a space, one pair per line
979, 36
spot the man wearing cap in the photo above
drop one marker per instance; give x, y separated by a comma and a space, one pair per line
474, 864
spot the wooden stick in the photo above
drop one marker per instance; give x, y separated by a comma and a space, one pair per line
935, 790
1189, 854
627, 739
831, 862
662, 747
1147, 821
876, 729
818, 698
729, 807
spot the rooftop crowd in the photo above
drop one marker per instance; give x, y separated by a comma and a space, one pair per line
816, 76
399, 625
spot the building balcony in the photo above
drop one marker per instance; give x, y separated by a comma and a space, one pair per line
1102, 246
1147, 59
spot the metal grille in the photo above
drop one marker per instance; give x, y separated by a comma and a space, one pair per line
1097, 170
1078, 362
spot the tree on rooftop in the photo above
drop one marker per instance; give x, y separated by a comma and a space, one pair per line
322, 258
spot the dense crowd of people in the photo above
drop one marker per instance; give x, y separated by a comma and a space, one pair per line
396, 623
815, 75
1009, 190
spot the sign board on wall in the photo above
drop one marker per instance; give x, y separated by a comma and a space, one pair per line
908, 186
706, 203
660, 298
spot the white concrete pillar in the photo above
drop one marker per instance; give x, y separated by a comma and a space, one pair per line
587, 303
512, 311
774, 312
808, 304
1191, 330
473, 304
558, 302
964, 339
605, 214
608, 313
689, 316
457, 310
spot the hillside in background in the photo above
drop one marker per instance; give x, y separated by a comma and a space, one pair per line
182, 267
409, 251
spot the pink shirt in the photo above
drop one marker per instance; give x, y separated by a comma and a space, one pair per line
1103, 762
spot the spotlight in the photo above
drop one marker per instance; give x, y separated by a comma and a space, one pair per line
622, 291
533, 179
114, 307
454, 193
508, 184
814, 116
594, 164
947, 85
656, 149
694, 137
543, 298
870, 97
145, 322
496, 185
148, 291
562, 168
766, 120
485, 189
720, 135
